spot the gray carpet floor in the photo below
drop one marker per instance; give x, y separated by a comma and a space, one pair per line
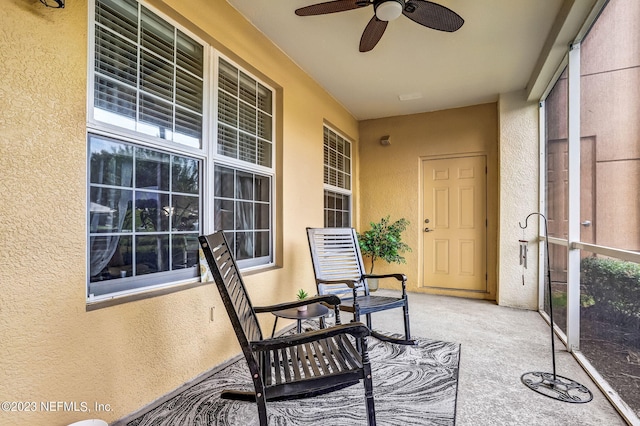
413, 385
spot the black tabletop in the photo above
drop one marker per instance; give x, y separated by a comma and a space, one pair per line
315, 310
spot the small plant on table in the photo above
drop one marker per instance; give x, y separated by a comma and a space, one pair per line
302, 294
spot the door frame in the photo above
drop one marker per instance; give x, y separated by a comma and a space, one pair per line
491, 239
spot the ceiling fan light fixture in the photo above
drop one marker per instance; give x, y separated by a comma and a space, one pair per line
389, 10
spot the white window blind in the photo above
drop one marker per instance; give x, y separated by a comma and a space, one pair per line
337, 180
244, 172
148, 74
245, 117
337, 160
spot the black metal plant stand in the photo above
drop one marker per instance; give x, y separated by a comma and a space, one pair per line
550, 384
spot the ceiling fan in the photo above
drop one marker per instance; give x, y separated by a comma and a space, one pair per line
423, 12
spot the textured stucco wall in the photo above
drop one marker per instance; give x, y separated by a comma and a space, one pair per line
389, 180
131, 354
390, 175
519, 194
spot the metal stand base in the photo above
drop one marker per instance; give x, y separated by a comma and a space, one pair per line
560, 388
550, 384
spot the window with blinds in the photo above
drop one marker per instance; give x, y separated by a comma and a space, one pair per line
148, 75
148, 143
337, 160
245, 117
337, 180
244, 171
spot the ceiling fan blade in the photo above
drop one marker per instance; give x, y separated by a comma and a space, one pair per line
331, 7
372, 34
432, 15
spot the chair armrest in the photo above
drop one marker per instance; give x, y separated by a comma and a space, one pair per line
399, 277
349, 283
330, 299
356, 329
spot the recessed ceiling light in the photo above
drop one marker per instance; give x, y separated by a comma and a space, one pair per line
410, 96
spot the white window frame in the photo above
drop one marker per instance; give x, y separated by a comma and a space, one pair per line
145, 139
240, 165
334, 188
206, 153
349, 207
136, 284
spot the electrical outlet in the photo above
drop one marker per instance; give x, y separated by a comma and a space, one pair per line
212, 314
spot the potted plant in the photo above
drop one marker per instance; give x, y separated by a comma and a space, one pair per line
301, 296
383, 241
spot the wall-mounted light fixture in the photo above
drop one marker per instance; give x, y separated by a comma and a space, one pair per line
59, 4
384, 141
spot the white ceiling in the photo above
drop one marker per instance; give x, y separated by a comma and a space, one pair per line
494, 52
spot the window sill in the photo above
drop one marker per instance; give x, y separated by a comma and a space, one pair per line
259, 270
119, 300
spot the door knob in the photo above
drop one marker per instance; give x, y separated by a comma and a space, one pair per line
428, 230
586, 223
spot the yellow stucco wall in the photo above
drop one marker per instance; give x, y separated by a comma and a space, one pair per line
127, 355
390, 175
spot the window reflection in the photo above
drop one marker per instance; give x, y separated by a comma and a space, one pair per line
336, 210
242, 207
154, 201
558, 269
151, 213
556, 108
609, 187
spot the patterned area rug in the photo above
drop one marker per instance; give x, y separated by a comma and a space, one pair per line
413, 385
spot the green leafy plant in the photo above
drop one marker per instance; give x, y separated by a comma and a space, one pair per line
384, 241
614, 287
302, 294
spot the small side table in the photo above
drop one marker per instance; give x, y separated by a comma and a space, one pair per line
315, 310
